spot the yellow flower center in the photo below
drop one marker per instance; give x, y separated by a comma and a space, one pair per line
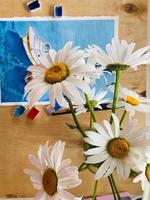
50, 181
56, 73
147, 172
133, 101
118, 148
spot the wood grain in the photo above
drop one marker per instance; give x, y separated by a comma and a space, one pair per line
19, 137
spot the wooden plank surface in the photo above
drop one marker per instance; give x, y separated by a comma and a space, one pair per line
19, 137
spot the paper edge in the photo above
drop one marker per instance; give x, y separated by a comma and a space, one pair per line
40, 18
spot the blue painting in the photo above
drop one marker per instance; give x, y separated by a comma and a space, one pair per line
14, 59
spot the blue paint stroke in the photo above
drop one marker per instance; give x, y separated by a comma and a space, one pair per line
14, 61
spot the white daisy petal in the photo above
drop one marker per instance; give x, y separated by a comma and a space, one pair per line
94, 142
117, 126
70, 90
52, 55
32, 173
81, 69
60, 72
52, 95
101, 130
64, 164
36, 180
69, 183
120, 53
66, 195
67, 48
43, 155
97, 98
99, 139
130, 49
110, 53
38, 93
97, 158
138, 178
60, 98
64, 174
103, 169
75, 58
37, 186
102, 55
146, 194
36, 68
45, 61
123, 50
79, 84
109, 129
123, 170
57, 153
68, 172
133, 102
121, 151
40, 196
111, 168
34, 161
32, 87
94, 151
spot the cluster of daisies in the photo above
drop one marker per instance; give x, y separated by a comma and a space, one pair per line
68, 76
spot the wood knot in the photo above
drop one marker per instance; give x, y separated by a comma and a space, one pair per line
130, 8
11, 196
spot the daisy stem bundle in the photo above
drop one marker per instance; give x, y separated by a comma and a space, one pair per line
75, 118
91, 110
91, 121
116, 92
95, 188
112, 187
83, 167
115, 188
115, 99
122, 118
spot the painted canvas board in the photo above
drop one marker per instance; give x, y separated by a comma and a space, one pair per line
14, 59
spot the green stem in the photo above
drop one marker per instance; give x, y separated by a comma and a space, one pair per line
91, 170
112, 187
115, 99
91, 121
116, 92
91, 110
75, 118
83, 167
115, 187
95, 189
122, 118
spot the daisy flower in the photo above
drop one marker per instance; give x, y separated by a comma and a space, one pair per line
54, 175
59, 74
144, 177
96, 99
119, 55
115, 149
133, 102
100, 71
